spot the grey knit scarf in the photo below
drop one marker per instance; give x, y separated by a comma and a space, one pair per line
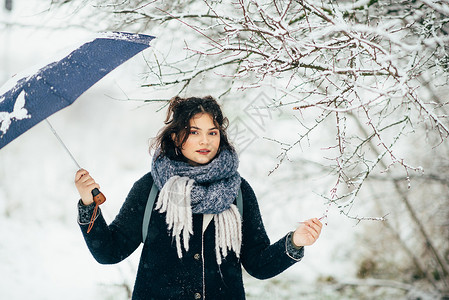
205, 189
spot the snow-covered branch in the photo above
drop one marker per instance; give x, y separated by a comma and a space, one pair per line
367, 74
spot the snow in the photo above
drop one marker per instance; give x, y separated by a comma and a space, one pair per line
42, 252
42, 249
123, 36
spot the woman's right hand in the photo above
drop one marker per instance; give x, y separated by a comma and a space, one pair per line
85, 184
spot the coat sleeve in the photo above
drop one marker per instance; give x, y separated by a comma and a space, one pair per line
259, 257
112, 243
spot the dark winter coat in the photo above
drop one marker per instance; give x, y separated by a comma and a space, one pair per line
161, 274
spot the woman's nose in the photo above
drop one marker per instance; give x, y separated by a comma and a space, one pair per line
204, 139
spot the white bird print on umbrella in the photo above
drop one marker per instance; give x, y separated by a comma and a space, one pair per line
19, 113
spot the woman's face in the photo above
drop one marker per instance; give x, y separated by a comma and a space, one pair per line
203, 142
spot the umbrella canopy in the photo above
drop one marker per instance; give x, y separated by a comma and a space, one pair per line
35, 97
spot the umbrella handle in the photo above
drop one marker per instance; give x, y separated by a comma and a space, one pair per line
99, 198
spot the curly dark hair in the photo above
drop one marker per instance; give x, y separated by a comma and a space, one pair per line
179, 113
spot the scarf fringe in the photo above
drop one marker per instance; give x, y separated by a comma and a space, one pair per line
174, 199
228, 233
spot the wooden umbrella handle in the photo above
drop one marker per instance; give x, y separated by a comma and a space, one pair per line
99, 198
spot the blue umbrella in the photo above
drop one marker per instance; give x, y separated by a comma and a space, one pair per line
57, 85
35, 97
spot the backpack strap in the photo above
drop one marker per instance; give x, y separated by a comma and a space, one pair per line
150, 203
148, 210
240, 202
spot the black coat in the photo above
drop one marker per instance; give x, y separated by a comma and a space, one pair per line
161, 274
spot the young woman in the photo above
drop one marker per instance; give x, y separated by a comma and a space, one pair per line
197, 240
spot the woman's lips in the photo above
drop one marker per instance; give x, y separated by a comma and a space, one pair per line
203, 151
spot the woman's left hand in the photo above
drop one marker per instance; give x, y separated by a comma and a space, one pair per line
307, 233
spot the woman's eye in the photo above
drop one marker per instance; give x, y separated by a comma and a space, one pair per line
213, 133
193, 132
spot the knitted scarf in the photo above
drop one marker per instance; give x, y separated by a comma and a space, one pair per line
206, 189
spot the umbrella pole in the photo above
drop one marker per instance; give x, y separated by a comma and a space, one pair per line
99, 198
62, 143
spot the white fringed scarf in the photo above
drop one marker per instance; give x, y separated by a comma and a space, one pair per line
175, 200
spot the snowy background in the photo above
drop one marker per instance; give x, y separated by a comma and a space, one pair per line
42, 252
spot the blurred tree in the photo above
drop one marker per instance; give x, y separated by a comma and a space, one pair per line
8, 5
371, 67
372, 72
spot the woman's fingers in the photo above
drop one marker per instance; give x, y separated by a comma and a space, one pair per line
85, 184
83, 178
314, 225
80, 173
307, 233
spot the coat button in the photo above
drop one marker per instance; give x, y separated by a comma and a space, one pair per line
197, 256
197, 296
